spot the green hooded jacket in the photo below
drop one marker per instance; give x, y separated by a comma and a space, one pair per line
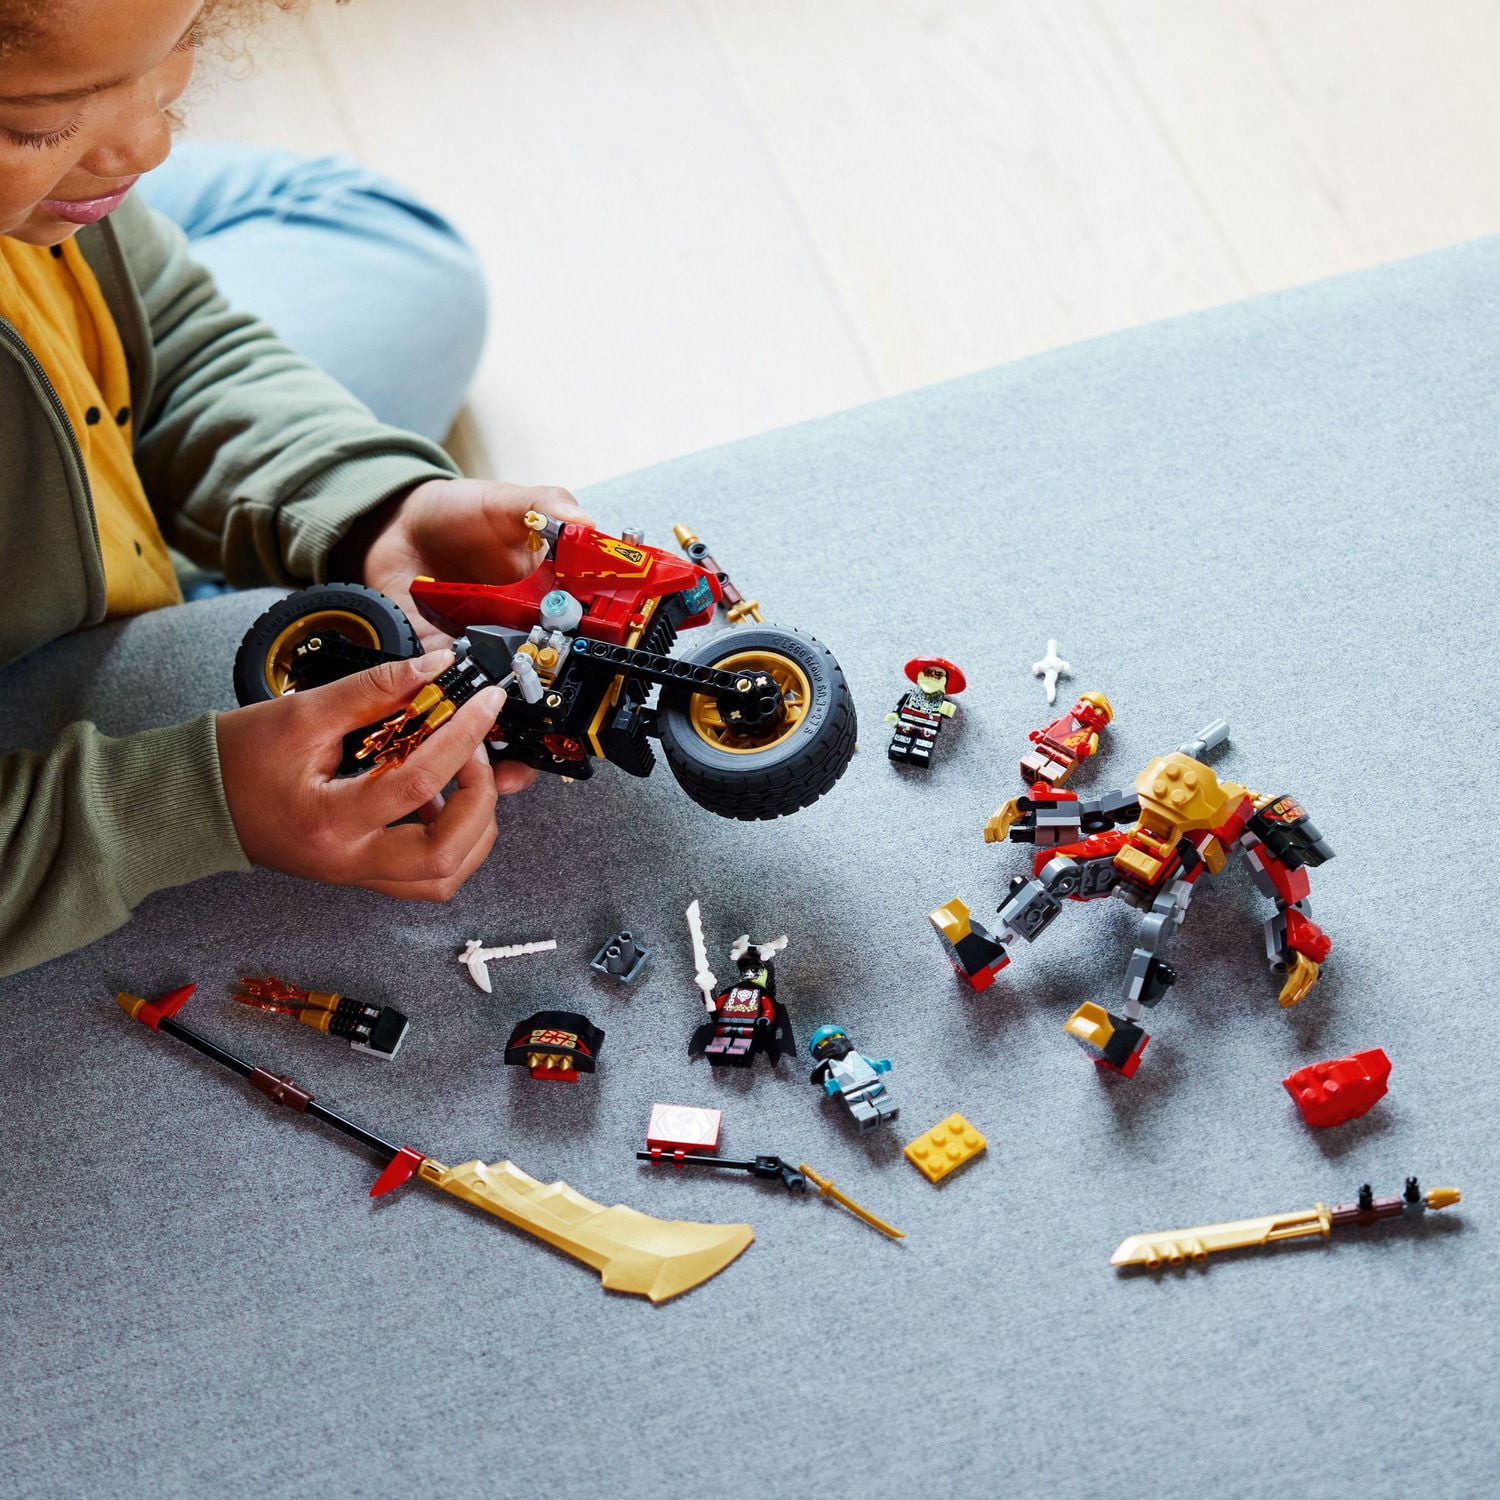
256, 463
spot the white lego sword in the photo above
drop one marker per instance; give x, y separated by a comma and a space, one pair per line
477, 957
1049, 669
703, 976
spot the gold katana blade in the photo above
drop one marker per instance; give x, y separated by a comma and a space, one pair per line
633, 1252
1174, 1246
826, 1189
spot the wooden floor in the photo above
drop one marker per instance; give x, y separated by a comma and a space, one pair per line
704, 218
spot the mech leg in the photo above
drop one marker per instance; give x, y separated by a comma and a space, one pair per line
979, 954
1118, 1042
1295, 945
976, 954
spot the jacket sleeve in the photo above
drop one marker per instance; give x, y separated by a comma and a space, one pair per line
97, 824
255, 460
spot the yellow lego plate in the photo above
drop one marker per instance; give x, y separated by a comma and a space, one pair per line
945, 1148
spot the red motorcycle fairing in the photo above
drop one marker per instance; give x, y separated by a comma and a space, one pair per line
615, 582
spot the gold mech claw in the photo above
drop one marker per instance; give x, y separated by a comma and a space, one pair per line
1300, 978
997, 825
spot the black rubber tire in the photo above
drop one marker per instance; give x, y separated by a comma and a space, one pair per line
771, 783
392, 628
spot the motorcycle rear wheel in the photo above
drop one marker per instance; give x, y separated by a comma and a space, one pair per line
264, 667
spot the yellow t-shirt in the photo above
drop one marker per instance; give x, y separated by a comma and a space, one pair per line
54, 301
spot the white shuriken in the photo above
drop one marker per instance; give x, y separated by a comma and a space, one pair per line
1049, 669
477, 957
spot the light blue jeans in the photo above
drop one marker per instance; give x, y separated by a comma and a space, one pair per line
351, 270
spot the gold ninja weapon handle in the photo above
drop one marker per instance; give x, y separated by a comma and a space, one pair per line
632, 1252
1174, 1246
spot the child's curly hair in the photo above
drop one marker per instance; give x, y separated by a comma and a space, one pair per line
21, 20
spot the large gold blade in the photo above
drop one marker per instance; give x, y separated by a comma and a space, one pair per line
1174, 1246
633, 1252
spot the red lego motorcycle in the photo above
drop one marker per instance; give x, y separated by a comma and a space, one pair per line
755, 723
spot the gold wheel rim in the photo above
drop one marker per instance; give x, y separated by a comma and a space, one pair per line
796, 693
281, 654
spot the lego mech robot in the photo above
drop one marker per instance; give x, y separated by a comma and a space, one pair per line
1149, 845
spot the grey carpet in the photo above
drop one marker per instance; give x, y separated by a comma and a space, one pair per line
1282, 512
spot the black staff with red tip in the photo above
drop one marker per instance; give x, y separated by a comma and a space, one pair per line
157, 1014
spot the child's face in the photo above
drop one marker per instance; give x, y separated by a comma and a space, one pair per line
83, 109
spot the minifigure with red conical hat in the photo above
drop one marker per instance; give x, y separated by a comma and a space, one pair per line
919, 715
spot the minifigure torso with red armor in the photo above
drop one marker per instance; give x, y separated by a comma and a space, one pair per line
745, 1002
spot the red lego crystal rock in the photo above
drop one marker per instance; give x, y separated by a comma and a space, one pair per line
1342, 1089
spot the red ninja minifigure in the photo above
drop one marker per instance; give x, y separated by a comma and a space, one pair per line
1066, 741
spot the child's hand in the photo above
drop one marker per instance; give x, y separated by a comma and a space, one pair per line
458, 530
278, 759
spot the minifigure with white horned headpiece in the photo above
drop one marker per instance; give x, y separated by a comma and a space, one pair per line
746, 1020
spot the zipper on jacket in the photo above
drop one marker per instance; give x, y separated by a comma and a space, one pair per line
13, 338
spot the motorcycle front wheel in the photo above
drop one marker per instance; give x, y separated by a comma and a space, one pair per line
770, 772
